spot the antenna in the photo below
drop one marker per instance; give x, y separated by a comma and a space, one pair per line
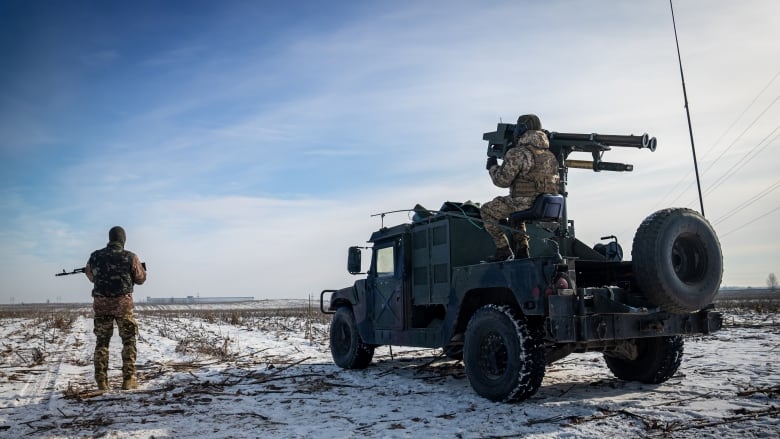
687, 111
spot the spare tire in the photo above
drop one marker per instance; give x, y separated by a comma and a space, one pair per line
677, 260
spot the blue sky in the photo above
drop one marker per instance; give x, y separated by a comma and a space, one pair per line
244, 145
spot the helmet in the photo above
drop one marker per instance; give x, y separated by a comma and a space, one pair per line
527, 122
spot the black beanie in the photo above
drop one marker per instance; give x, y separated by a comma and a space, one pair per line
117, 234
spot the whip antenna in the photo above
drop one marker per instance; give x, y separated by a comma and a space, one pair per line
687, 111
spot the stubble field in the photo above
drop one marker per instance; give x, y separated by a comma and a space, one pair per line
264, 370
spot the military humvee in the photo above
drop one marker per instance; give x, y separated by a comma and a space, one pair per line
428, 286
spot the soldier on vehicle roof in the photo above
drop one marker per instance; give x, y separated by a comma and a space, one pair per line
529, 169
114, 271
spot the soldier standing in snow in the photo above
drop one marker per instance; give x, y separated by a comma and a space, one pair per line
528, 170
114, 271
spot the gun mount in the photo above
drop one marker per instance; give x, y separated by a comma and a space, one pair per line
563, 144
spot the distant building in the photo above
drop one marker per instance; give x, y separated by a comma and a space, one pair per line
193, 299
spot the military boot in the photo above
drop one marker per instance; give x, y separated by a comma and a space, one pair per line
128, 376
520, 242
501, 254
522, 253
129, 383
102, 383
128, 330
101, 369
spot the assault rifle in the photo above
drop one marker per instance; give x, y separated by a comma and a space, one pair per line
66, 273
563, 144
84, 269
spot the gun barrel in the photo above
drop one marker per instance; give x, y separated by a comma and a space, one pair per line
579, 164
66, 273
600, 166
643, 141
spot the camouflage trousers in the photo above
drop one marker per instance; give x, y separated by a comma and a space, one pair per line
499, 209
104, 330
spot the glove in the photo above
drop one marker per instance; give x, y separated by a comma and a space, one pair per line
491, 161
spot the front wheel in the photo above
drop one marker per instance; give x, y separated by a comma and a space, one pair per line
657, 360
346, 346
503, 355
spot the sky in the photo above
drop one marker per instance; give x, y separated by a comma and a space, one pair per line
244, 145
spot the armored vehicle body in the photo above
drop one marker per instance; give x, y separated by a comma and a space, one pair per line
427, 286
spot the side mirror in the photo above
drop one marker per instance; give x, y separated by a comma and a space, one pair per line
354, 262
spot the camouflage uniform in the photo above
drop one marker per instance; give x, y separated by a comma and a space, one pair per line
529, 169
114, 271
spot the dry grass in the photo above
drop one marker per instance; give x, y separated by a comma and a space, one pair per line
759, 306
248, 318
46, 325
30, 343
200, 344
61, 316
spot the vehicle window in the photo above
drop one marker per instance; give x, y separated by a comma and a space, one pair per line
385, 263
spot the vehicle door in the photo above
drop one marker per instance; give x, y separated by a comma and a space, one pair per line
388, 298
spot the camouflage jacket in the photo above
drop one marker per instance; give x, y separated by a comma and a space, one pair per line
528, 169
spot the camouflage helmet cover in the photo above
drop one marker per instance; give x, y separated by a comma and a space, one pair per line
530, 122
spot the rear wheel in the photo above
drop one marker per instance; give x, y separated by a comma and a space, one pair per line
657, 360
346, 346
677, 260
503, 355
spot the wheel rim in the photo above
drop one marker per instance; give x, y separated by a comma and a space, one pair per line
689, 259
493, 357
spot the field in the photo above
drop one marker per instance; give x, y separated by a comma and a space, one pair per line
264, 370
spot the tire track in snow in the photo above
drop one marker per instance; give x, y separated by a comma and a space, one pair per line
38, 390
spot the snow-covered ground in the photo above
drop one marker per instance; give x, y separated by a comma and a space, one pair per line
272, 376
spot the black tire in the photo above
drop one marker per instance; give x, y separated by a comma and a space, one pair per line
346, 346
658, 360
503, 355
677, 260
